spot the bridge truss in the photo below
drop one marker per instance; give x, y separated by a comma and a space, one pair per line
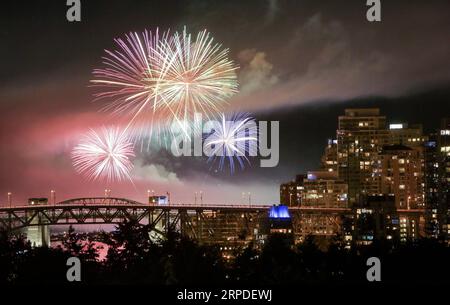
219, 224
203, 223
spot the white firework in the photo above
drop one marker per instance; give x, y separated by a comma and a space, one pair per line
128, 80
234, 140
194, 76
104, 155
165, 79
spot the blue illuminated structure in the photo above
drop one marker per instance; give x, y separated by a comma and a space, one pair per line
279, 211
430, 144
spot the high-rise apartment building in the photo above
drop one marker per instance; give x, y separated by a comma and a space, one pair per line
434, 213
401, 172
324, 189
360, 136
444, 175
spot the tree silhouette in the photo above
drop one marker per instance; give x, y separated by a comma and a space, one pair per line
134, 258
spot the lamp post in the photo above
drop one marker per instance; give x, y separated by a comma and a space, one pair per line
195, 198
9, 199
53, 197
107, 193
201, 198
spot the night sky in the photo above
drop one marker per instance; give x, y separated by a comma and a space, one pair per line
301, 63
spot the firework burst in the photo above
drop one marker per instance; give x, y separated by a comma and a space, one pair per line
232, 139
104, 155
127, 78
195, 76
163, 79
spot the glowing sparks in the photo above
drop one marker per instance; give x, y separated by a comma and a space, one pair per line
165, 79
195, 76
105, 155
127, 78
233, 140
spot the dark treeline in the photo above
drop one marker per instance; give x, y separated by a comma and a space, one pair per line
134, 259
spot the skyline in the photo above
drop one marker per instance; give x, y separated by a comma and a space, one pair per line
190, 198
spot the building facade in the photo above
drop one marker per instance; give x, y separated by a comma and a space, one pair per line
361, 134
291, 192
400, 173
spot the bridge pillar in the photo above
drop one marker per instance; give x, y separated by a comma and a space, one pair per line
38, 235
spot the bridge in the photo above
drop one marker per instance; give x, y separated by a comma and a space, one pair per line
98, 210
206, 223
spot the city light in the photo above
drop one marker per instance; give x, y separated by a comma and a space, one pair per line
395, 126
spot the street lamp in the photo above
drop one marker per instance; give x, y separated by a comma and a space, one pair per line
9, 199
195, 198
107, 192
53, 196
201, 198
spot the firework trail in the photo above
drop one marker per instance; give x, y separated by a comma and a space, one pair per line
104, 155
165, 79
232, 139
